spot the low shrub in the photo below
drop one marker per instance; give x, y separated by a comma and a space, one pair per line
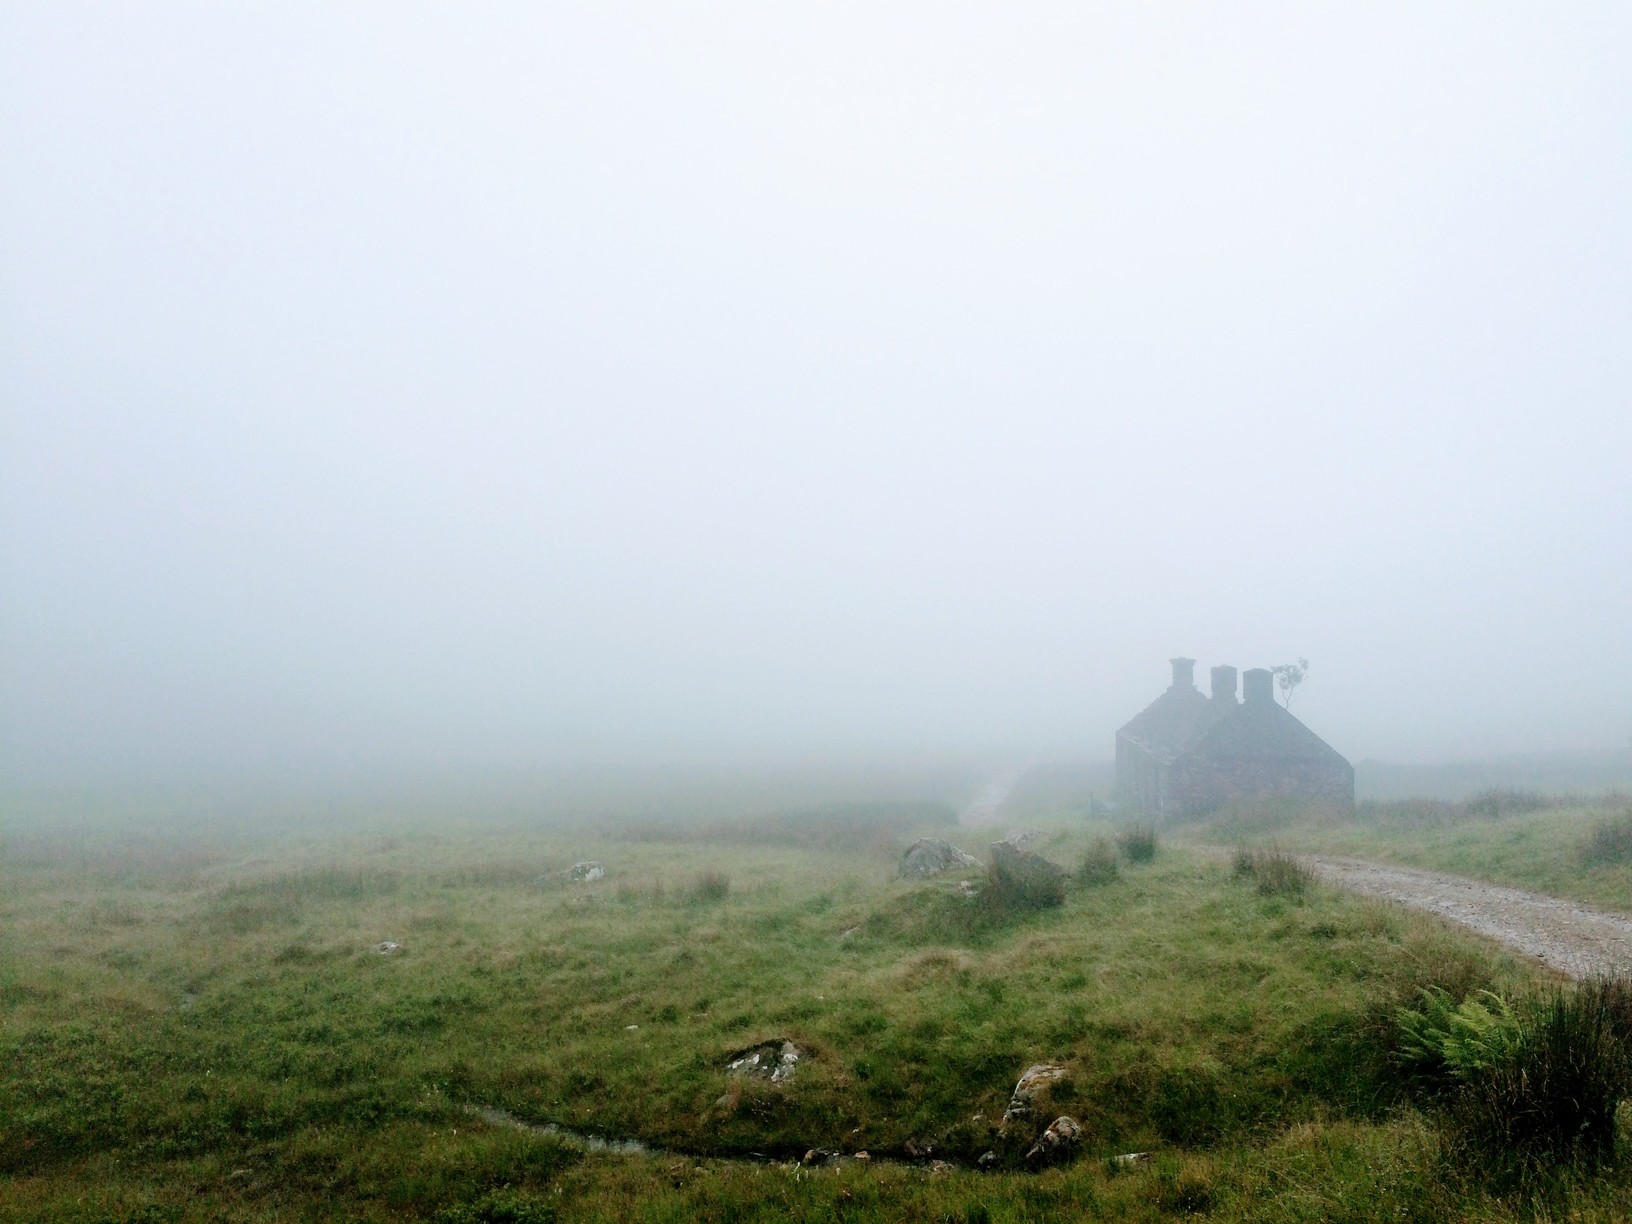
1277, 873
1138, 844
1610, 843
1098, 865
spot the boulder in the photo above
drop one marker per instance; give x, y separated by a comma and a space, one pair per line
1035, 1079
1055, 1143
1022, 839
770, 1060
1024, 868
584, 873
930, 856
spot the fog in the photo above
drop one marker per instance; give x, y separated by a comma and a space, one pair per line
472, 387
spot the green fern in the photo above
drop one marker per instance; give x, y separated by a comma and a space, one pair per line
1457, 1039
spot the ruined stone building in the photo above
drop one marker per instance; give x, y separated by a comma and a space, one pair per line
1186, 754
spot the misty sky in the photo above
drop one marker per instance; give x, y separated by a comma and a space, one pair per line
480, 384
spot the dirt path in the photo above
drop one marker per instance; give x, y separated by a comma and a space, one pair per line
1571, 937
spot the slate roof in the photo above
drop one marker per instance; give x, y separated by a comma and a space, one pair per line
1261, 729
1168, 724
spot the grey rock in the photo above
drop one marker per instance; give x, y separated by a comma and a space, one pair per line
930, 856
1055, 1143
1035, 1079
1022, 866
771, 1060
387, 947
584, 873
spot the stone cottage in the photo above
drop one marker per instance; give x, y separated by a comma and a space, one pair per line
1186, 754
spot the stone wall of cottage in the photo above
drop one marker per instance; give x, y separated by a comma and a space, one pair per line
1198, 784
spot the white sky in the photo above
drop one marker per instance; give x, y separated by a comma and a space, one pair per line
497, 383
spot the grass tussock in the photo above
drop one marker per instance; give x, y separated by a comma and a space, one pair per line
1275, 872
1610, 842
1098, 864
710, 887
1138, 844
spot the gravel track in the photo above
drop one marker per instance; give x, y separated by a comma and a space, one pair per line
1573, 938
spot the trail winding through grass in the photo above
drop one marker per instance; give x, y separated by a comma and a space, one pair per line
1573, 938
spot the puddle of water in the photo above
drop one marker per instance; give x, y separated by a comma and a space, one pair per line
590, 1143
634, 1147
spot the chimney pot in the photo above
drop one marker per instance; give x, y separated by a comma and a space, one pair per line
1258, 685
1184, 672
1224, 683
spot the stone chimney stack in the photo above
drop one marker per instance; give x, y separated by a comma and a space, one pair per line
1224, 683
1184, 673
1258, 684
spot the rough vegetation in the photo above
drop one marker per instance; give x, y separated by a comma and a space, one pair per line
1610, 842
1137, 843
1564, 846
1528, 1089
205, 1030
1098, 864
1275, 872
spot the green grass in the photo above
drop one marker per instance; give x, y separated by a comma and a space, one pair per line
204, 1031
1576, 848
1273, 871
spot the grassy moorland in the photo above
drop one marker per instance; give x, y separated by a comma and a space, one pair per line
1566, 846
204, 1029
